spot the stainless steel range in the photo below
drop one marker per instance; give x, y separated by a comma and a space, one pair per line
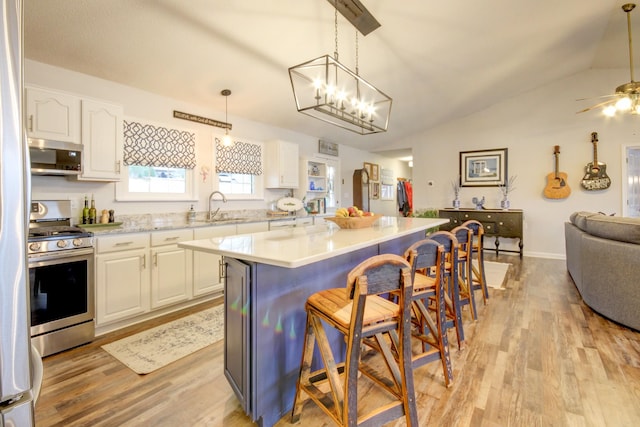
61, 276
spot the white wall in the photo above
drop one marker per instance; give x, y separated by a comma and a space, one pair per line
158, 109
529, 126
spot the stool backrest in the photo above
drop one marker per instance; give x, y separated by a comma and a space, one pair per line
464, 235
477, 229
450, 244
425, 254
379, 274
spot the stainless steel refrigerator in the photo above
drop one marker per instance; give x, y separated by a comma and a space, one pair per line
16, 388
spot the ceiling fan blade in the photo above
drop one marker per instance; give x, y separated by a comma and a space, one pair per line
601, 104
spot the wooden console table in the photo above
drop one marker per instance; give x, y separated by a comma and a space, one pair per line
496, 222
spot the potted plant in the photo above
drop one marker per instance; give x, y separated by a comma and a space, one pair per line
427, 213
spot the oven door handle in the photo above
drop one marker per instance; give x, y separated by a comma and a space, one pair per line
60, 254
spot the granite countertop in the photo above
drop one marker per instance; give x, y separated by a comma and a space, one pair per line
146, 223
295, 247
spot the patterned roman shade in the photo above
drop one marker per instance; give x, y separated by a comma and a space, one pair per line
241, 157
149, 145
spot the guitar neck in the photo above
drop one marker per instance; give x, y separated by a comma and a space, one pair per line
557, 166
594, 140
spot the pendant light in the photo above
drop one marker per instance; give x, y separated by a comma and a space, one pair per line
227, 141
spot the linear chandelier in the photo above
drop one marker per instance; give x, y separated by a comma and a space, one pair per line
327, 90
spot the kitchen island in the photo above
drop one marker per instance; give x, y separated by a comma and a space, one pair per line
268, 277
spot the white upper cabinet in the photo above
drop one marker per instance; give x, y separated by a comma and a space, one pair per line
102, 139
281, 164
52, 115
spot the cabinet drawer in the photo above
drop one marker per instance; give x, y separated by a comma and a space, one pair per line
490, 228
170, 237
121, 242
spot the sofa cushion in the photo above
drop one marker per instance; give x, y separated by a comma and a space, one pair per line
579, 219
614, 228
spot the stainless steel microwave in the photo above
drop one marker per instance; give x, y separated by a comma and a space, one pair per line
50, 157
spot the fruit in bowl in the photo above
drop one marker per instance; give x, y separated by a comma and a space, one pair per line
354, 219
352, 212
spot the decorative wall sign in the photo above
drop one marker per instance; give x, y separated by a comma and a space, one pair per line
483, 168
202, 120
326, 147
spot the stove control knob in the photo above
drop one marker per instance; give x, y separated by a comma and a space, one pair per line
35, 246
62, 244
77, 242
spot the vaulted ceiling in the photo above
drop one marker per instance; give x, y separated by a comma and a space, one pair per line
438, 60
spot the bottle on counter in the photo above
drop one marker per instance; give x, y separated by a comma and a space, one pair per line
92, 211
112, 215
85, 211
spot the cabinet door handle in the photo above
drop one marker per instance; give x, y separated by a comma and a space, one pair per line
168, 239
124, 243
155, 259
31, 123
144, 261
118, 167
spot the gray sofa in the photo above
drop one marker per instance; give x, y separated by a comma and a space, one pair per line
603, 259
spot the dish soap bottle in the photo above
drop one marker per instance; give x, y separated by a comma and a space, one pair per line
191, 215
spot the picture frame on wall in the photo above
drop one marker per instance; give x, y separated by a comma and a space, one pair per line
483, 168
375, 190
373, 170
326, 147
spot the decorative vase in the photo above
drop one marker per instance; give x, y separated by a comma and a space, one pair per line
504, 204
456, 203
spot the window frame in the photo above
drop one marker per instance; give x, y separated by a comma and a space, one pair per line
258, 180
124, 195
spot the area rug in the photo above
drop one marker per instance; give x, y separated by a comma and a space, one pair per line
496, 273
157, 347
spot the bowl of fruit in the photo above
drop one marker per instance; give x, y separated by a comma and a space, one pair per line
352, 217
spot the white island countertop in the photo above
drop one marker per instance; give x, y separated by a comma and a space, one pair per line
299, 246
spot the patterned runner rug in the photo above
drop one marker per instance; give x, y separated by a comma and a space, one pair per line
157, 347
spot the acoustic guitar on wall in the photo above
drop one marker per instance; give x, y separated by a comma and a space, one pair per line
595, 177
557, 187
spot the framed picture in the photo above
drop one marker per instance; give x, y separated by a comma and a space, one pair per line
326, 147
483, 168
367, 166
373, 170
375, 190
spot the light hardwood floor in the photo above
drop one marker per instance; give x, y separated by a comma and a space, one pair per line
537, 356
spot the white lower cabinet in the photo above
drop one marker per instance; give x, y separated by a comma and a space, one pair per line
122, 277
206, 267
171, 268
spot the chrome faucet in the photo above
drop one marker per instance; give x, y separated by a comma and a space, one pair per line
224, 200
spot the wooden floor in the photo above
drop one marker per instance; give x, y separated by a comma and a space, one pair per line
537, 356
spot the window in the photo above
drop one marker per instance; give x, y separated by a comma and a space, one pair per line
159, 163
156, 183
239, 169
152, 179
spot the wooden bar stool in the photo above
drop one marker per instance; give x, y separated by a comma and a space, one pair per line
479, 278
365, 319
427, 269
464, 235
452, 289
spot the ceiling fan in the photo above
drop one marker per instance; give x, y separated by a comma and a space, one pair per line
627, 96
